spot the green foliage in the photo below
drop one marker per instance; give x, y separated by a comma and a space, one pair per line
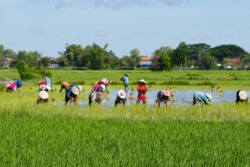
73, 55
175, 83
208, 62
54, 135
24, 70
134, 58
41, 71
195, 53
161, 59
180, 55
227, 51
31, 58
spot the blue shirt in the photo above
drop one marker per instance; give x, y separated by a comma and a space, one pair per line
18, 83
125, 80
47, 81
200, 96
69, 91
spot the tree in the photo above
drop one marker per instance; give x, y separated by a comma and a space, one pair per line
124, 62
161, 58
24, 70
245, 60
45, 61
73, 54
208, 62
227, 51
9, 53
134, 58
31, 58
96, 57
195, 53
180, 55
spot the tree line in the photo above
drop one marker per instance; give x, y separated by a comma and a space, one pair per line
198, 56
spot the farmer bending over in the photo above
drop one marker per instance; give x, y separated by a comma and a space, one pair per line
163, 96
142, 90
241, 96
101, 86
202, 98
120, 98
11, 87
72, 93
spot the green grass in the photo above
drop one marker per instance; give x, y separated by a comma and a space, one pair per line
54, 135
183, 79
41, 141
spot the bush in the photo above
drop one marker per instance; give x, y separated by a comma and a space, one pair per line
24, 71
207, 83
175, 83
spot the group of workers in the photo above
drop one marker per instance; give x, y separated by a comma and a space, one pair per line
97, 94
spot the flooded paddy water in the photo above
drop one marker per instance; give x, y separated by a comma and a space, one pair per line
181, 97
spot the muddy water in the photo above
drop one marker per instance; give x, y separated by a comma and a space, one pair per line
181, 97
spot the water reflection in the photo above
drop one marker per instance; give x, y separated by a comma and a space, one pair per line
181, 97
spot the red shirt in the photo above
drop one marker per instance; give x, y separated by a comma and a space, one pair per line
142, 90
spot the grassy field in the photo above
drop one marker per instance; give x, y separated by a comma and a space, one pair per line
182, 79
54, 135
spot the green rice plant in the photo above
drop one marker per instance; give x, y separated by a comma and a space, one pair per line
56, 135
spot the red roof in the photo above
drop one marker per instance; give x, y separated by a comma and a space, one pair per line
233, 60
146, 58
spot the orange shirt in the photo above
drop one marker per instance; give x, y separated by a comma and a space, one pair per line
66, 84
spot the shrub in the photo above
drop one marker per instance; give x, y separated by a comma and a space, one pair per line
24, 71
175, 83
207, 83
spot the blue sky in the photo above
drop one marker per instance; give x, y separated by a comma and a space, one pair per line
47, 25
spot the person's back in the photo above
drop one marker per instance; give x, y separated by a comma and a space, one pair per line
142, 90
125, 79
47, 80
18, 83
201, 97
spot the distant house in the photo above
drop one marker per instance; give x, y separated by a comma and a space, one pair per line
53, 63
146, 61
5, 62
233, 60
231, 63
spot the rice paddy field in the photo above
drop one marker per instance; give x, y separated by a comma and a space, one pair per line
56, 135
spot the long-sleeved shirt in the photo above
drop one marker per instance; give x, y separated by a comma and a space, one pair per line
125, 80
200, 96
47, 81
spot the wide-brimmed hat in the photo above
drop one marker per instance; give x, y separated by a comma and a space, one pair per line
79, 87
209, 96
142, 81
105, 81
43, 94
75, 90
243, 95
48, 87
122, 94
166, 92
